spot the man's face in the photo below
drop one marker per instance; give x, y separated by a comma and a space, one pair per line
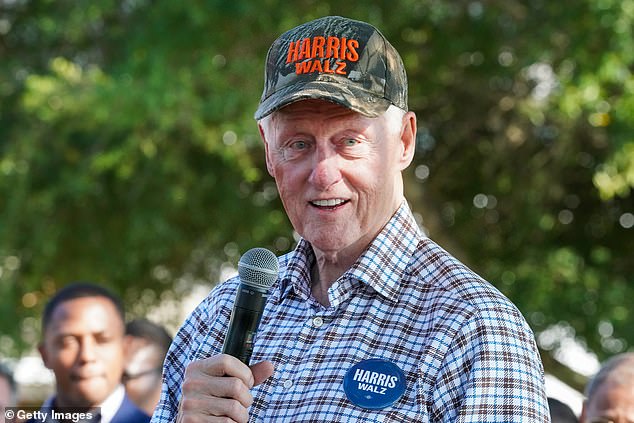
83, 345
612, 402
338, 172
143, 373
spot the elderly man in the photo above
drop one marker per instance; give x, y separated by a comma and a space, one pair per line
610, 393
369, 319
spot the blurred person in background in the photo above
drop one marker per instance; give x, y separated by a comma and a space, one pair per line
561, 412
147, 345
83, 344
8, 388
610, 393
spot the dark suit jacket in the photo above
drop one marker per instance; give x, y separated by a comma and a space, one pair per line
127, 413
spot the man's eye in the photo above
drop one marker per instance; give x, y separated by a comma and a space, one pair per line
350, 142
299, 145
67, 341
104, 339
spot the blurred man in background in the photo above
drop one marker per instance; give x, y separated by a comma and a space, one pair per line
147, 345
83, 344
610, 393
8, 388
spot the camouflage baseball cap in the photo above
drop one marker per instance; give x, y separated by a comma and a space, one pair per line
336, 59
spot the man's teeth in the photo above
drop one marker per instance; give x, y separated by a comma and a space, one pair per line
328, 203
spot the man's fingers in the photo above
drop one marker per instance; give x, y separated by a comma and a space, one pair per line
226, 365
218, 389
231, 387
261, 371
223, 410
232, 409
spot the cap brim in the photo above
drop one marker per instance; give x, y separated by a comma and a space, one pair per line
351, 97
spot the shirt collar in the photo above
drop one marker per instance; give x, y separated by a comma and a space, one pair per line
108, 408
296, 273
112, 404
381, 265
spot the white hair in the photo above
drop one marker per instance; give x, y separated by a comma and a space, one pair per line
394, 116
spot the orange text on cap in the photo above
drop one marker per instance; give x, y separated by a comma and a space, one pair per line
308, 52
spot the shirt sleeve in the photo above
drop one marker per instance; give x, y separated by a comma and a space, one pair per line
198, 337
492, 372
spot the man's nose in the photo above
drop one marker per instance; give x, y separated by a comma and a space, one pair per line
326, 170
87, 349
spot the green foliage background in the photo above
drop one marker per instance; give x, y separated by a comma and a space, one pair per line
129, 155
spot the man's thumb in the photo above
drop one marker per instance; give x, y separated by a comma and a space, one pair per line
261, 371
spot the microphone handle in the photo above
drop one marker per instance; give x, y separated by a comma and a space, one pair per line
245, 318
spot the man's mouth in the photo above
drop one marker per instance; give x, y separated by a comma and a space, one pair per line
78, 377
330, 203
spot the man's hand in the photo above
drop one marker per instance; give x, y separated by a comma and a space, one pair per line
217, 389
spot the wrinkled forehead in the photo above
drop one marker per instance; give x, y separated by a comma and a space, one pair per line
313, 112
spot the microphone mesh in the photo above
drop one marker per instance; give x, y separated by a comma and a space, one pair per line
258, 268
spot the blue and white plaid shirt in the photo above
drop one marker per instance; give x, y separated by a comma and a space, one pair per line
466, 351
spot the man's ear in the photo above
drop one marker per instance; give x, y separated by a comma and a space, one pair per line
408, 140
43, 353
269, 166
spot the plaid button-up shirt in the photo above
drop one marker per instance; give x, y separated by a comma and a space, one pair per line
466, 351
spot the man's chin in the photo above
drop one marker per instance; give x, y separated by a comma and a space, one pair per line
335, 238
91, 392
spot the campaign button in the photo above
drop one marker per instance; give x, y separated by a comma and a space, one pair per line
374, 384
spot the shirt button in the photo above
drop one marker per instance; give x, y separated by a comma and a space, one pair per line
318, 322
287, 383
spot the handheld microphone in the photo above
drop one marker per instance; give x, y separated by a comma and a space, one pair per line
257, 270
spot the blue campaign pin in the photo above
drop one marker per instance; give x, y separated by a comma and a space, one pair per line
374, 384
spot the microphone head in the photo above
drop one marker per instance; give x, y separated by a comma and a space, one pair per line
258, 268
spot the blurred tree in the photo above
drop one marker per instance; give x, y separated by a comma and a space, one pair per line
128, 153
526, 156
